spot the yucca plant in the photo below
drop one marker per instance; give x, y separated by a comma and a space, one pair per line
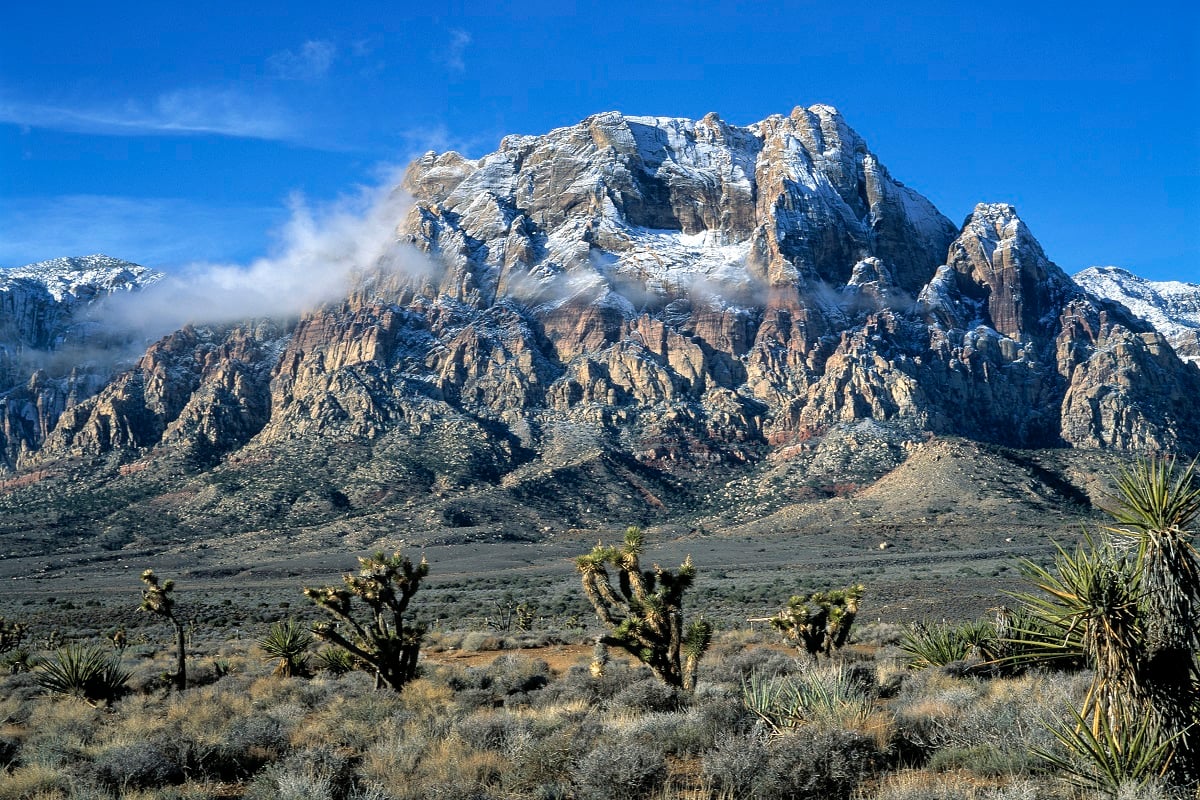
1112, 758
19, 660
1090, 598
289, 642
828, 698
1128, 604
939, 644
1155, 508
87, 672
334, 660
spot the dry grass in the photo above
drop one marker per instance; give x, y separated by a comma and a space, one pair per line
33, 782
484, 730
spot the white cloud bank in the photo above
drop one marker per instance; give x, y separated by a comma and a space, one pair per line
318, 252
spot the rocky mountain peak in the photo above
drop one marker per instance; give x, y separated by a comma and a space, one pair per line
1171, 307
1004, 276
631, 301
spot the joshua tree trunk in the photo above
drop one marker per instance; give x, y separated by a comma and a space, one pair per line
180, 656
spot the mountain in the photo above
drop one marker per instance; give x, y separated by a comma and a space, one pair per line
54, 350
1171, 307
628, 319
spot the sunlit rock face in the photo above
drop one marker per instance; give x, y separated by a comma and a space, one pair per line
673, 291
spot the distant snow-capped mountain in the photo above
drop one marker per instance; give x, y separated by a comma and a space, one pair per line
70, 280
40, 303
1171, 307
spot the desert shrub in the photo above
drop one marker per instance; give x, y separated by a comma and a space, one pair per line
85, 672
517, 673
931, 786
988, 761
492, 730
647, 695
394, 759
507, 680
16, 692
812, 762
452, 774
10, 751
689, 732
542, 764
252, 742
477, 641
738, 667
736, 765
317, 773
137, 765
879, 634
925, 786
936, 713
579, 685
620, 770
33, 781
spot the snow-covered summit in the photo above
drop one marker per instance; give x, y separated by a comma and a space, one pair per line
1171, 307
72, 279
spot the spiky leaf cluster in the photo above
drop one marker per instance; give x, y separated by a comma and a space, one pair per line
289, 642
89, 673
819, 623
158, 597
644, 611
380, 635
1129, 605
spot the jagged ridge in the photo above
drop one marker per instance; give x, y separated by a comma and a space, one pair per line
652, 295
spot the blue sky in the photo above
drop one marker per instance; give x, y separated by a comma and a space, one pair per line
168, 134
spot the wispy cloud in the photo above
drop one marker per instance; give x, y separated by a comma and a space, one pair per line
317, 252
310, 62
456, 50
226, 112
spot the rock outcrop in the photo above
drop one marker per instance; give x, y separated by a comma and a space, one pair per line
1171, 307
668, 292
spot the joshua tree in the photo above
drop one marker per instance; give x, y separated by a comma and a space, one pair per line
644, 613
819, 623
289, 642
159, 598
11, 635
386, 641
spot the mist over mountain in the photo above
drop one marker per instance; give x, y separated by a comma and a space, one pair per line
602, 322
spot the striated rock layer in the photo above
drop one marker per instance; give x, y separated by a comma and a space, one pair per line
669, 292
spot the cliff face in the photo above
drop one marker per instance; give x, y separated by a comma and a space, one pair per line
668, 292
46, 334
